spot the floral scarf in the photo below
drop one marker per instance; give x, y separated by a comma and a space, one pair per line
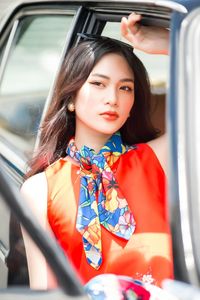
101, 201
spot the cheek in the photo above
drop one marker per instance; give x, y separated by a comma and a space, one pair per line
128, 106
84, 99
84, 107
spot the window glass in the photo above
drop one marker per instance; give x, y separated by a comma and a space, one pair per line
156, 65
30, 69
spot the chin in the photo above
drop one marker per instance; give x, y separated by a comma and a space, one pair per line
108, 131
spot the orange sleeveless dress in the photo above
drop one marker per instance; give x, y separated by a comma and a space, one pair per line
147, 256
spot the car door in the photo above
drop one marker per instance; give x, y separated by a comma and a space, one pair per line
33, 42
19, 134
185, 142
99, 18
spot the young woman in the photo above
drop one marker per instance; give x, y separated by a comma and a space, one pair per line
98, 178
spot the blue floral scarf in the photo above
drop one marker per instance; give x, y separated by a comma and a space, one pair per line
101, 201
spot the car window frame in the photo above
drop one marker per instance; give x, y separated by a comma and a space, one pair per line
8, 153
14, 165
93, 18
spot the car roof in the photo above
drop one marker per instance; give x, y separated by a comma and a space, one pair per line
178, 5
175, 5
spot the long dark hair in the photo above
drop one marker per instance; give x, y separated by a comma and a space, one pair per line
59, 124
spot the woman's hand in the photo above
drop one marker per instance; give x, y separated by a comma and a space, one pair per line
150, 39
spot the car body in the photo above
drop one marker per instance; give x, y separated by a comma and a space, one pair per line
34, 39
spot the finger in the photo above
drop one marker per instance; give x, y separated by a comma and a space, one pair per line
133, 18
125, 31
124, 26
132, 23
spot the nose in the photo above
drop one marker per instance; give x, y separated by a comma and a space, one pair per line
111, 97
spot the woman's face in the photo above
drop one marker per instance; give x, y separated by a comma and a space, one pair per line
103, 103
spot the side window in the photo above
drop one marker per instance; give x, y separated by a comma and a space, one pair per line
157, 67
31, 66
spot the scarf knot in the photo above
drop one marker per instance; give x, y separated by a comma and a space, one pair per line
101, 203
91, 163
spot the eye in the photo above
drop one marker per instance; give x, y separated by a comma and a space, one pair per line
126, 88
97, 83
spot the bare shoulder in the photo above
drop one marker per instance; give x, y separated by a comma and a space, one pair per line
160, 148
35, 185
34, 192
39, 178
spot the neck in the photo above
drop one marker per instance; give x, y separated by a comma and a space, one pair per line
94, 140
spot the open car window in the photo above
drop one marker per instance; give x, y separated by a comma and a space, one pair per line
156, 65
158, 68
30, 65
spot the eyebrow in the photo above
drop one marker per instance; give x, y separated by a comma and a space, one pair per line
107, 77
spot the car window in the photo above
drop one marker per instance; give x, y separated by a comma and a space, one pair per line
31, 66
157, 67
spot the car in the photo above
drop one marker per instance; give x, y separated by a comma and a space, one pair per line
35, 36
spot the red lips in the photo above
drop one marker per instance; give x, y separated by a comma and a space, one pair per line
110, 115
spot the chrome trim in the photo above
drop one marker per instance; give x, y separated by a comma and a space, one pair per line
172, 5
6, 151
7, 50
43, 12
51, 11
164, 3
36, 11
51, 91
12, 157
3, 253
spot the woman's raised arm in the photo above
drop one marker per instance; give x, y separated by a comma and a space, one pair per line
150, 39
